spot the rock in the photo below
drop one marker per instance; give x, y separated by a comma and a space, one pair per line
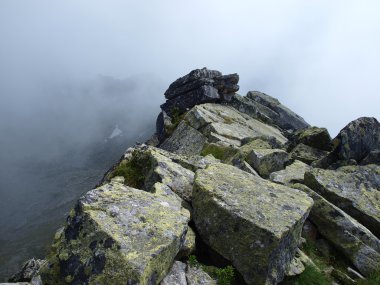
357, 139
186, 83
318, 138
372, 158
287, 119
176, 275
29, 270
204, 94
185, 140
307, 154
254, 223
354, 189
309, 231
323, 247
197, 276
352, 239
243, 165
293, 173
228, 124
354, 274
189, 245
342, 277
266, 161
118, 235
163, 124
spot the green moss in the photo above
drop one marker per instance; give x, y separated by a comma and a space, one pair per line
373, 279
311, 276
176, 117
224, 153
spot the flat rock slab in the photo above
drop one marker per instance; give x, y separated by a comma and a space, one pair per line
354, 189
118, 235
254, 223
266, 161
293, 173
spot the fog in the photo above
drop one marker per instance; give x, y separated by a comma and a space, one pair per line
70, 71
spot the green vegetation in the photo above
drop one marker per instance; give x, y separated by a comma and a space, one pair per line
311, 276
176, 117
224, 153
223, 276
373, 279
133, 171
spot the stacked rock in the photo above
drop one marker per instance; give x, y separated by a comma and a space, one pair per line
198, 87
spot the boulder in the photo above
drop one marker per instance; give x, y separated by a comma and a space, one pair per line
293, 173
351, 238
354, 189
29, 271
185, 140
315, 137
372, 158
254, 223
307, 154
197, 276
286, 119
266, 161
189, 245
357, 139
176, 275
118, 235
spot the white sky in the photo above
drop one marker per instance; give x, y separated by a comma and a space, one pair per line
320, 58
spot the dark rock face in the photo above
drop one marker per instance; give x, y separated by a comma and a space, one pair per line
358, 139
198, 87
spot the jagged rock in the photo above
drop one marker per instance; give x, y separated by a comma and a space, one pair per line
293, 173
118, 235
309, 231
163, 124
286, 119
254, 223
355, 241
372, 158
354, 189
29, 270
357, 139
315, 137
185, 140
186, 83
176, 275
299, 263
342, 278
266, 161
307, 154
180, 104
243, 165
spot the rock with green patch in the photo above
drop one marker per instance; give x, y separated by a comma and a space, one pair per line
222, 152
307, 154
189, 245
254, 223
118, 235
354, 189
266, 161
351, 238
315, 137
293, 173
185, 140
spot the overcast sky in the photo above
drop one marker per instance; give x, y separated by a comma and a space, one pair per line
320, 58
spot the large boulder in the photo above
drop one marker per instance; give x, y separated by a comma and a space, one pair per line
118, 235
293, 173
357, 139
315, 137
355, 241
254, 223
307, 154
354, 189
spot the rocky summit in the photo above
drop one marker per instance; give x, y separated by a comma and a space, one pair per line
230, 190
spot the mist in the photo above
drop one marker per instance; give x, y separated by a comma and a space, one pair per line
71, 72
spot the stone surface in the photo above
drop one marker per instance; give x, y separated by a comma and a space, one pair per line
29, 270
197, 276
118, 235
254, 223
176, 275
355, 241
266, 161
315, 137
287, 119
307, 154
185, 140
189, 245
354, 189
372, 158
357, 139
293, 173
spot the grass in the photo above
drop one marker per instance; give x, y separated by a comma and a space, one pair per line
176, 117
373, 279
311, 276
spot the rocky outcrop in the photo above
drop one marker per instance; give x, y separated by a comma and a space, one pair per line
354, 189
253, 223
118, 235
220, 181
